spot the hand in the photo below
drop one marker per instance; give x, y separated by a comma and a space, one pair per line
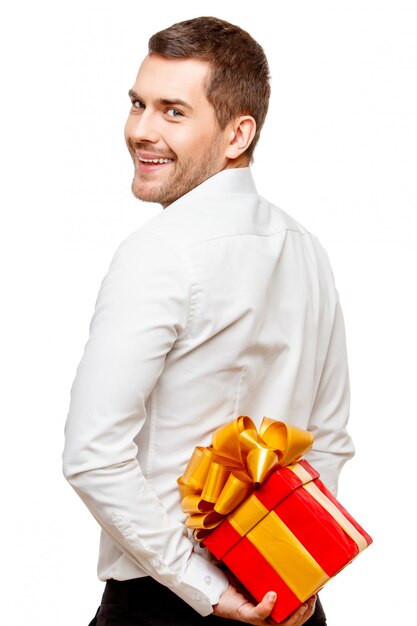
234, 605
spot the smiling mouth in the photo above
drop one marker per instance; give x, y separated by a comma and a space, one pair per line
150, 164
149, 160
154, 161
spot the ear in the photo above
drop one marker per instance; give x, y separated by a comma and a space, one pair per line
241, 134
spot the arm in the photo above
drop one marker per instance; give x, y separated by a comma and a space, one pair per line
328, 420
143, 305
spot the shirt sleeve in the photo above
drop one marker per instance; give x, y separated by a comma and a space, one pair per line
142, 306
332, 443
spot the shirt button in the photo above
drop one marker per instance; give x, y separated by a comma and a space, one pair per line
207, 580
197, 596
155, 562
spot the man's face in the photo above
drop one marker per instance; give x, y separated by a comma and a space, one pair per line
172, 122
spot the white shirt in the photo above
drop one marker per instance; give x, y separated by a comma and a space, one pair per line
222, 305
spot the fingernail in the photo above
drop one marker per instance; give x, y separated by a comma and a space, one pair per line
272, 596
303, 609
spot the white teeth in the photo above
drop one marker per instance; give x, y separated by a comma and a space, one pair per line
155, 160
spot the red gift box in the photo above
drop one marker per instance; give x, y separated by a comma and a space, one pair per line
290, 536
262, 510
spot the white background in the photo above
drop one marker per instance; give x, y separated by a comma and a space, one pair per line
338, 153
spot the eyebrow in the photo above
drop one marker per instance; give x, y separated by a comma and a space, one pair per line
164, 101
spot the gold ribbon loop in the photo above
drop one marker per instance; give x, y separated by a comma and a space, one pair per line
289, 442
215, 481
236, 489
207, 521
226, 438
198, 468
192, 504
218, 478
261, 462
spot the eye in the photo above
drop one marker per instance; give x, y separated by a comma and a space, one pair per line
137, 104
174, 113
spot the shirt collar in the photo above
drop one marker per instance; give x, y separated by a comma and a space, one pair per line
232, 180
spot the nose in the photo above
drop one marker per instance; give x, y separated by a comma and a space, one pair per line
142, 127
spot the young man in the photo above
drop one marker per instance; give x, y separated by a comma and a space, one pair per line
222, 305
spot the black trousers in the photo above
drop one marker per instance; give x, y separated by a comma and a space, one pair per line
144, 602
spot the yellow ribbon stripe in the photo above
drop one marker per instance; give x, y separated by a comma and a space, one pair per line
247, 515
279, 547
302, 473
289, 558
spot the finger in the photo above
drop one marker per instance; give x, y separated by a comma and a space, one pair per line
309, 611
302, 614
261, 611
296, 618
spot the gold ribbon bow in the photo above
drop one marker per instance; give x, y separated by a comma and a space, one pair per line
218, 478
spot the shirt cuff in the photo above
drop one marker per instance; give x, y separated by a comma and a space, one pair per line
201, 585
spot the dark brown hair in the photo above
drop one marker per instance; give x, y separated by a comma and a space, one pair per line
239, 79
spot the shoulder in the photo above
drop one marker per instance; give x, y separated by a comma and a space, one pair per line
147, 241
144, 259
308, 241
283, 220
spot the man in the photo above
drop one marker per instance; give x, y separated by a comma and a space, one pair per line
221, 305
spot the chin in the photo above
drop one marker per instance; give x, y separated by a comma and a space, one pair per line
140, 190
146, 195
